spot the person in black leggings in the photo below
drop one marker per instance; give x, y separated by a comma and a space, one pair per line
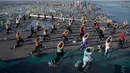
33, 32
59, 51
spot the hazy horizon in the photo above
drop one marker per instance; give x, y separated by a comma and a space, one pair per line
63, 0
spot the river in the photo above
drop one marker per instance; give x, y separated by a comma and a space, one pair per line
116, 9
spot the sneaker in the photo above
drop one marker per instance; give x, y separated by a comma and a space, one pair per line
30, 53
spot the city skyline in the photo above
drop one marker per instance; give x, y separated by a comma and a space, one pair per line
63, 0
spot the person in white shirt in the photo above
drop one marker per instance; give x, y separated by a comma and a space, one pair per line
84, 41
124, 24
17, 22
108, 45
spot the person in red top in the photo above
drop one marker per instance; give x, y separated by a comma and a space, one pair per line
121, 39
81, 32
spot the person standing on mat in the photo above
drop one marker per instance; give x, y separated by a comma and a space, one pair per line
59, 51
19, 38
17, 22
84, 41
108, 45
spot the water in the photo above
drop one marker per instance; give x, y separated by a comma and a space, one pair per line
116, 9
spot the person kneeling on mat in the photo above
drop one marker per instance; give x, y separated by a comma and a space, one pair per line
59, 51
87, 56
46, 34
84, 41
19, 39
38, 46
65, 36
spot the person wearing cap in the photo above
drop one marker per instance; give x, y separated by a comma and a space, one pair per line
38, 45
84, 41
59, 51
108, 45
19, 38
65, 36
87, 56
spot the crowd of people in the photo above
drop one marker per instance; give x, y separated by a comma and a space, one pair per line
83, 36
